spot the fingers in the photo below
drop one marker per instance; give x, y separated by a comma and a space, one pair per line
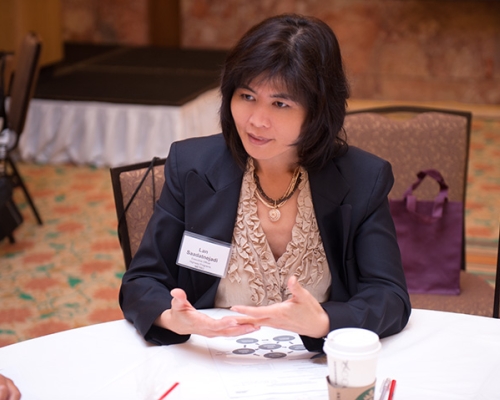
8, 391
254, 312
178, 294
253, 321
295, 287
290, 314
301, 313
240, 330
183, 318
242, 309
228, 326
231, 326
15, 394
273, 311
179, 300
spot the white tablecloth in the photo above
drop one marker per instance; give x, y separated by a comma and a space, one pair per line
438, 356
107, 134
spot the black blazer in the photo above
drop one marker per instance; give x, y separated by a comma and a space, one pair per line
200, 195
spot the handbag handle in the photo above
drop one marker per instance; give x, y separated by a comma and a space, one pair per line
439, 200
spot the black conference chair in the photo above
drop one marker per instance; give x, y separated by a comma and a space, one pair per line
22, 85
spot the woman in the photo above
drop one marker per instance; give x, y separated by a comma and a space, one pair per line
313, 242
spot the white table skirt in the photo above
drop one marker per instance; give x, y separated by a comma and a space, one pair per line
438, 355
108, 134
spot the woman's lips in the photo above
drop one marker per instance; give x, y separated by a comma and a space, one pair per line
257, 140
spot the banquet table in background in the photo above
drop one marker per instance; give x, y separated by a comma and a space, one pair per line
112, 134
112, 105
437, 356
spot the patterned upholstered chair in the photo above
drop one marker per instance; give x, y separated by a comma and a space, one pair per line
414, 139
139, 185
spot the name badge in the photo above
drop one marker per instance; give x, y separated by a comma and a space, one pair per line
204, 254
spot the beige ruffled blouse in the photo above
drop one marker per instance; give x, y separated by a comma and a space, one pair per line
254, 277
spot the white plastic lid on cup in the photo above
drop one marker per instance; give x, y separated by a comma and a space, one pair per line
353, 343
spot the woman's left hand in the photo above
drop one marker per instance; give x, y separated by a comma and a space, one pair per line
301, 314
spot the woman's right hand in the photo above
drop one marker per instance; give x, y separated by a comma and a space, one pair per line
183, 319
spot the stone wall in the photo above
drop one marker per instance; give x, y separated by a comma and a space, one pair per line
106, 21
410, 50
393, 50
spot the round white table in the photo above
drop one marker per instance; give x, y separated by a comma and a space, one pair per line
437, 356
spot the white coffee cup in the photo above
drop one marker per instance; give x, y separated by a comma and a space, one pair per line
352, 355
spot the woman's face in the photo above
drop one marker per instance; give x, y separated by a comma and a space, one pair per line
268, 120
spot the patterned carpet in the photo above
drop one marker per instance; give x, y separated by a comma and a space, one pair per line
483, 198
66, 273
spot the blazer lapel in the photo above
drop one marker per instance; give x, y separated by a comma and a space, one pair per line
210, 210
212, 199
329, 189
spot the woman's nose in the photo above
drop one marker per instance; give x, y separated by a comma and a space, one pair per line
259, 118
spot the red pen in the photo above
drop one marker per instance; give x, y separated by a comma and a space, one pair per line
391, 390
168, 391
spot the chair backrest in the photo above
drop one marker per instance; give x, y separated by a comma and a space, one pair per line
23, 83
3, 78
132, 221
6, 68
414, 139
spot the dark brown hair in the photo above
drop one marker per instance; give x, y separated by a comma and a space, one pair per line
303, 54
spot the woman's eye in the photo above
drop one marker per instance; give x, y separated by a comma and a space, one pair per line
280, 104
246, 96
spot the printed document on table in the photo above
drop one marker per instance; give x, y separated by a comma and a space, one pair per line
268, 364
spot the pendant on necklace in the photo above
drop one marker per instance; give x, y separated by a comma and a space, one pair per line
274, 214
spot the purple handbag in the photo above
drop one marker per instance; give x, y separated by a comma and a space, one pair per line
430, 237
